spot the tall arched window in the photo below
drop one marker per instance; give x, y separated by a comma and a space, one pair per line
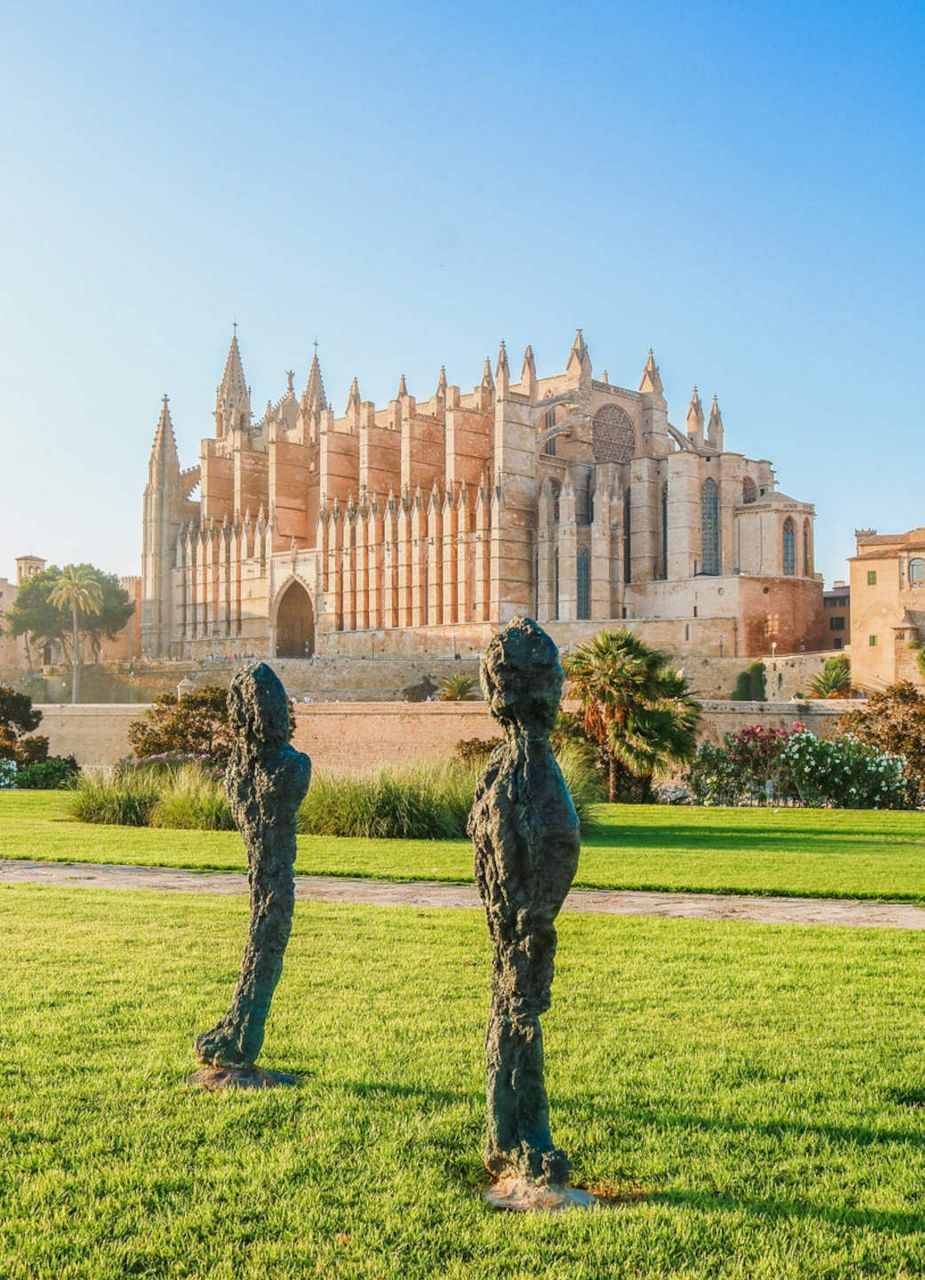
807, 551
627, 538
555, 584
917, 572
789, 547
709, 527
549, 421
584, 583
749, 491
664, 531
555, 504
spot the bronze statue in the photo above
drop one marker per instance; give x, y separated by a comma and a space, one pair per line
266, 781
525, 832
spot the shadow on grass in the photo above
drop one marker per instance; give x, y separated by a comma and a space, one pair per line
781, 1210
792, 838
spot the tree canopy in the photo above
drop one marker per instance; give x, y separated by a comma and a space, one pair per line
196, 724
894, 720
35, 615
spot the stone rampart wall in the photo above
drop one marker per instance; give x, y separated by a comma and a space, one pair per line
346, 737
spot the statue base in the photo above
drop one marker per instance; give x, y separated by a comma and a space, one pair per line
213, 1078
517, 1195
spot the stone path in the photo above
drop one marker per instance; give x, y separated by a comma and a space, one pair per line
615, 902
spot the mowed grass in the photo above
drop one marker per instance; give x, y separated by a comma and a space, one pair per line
750, 1097
793, 852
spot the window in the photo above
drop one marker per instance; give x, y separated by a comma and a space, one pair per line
836, 624
917, 572
555, 571
872, 641
549, 420
789, 548
836, 644
807, 552
871, 577
709, 527
749, 491
627, 538
555, 504
664, 531
584, 583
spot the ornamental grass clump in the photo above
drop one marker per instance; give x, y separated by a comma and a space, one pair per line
192, 799
422, 801
114, 800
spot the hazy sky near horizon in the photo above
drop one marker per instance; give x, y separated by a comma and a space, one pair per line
738, 186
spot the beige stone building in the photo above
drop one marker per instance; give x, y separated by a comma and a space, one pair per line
423, 525
887, 607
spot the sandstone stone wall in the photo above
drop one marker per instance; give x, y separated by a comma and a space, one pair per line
348, 737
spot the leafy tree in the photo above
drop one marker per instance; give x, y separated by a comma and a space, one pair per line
196, 724
894, 721
636, 707
834, 680
77, 589
34, 616
751, 684
17, 720
457, 688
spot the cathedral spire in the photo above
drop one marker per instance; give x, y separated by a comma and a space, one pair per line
232, 396
164, 464
313, 398
695, 418
502, 370
651, 381
528, 373
353, 400
441, 383
715, 425
579, 360
402, 388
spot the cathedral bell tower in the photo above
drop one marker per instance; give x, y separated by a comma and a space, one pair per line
163, 515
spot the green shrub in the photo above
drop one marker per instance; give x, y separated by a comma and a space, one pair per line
124, 801
751, 684
48, 775
192, 799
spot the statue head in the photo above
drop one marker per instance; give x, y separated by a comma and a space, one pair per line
522, 677
258, 707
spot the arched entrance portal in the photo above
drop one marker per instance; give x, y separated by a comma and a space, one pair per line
295, 623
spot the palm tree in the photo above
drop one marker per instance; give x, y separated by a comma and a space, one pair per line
77, 588
636, 706
457, 688
834, 680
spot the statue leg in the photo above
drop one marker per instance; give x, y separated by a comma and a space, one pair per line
519, 1141
236, 1040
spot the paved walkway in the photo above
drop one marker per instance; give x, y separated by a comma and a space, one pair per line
614, 902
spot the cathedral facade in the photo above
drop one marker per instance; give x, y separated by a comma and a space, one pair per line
423, 526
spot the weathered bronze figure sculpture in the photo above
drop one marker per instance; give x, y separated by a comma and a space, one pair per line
266, 781
525, 831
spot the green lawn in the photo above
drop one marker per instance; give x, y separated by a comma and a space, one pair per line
751, 1096
802, 852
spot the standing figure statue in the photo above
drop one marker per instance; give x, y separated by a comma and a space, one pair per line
266, 781
525, 831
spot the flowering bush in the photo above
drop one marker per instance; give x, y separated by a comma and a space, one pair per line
844, 773
7, 774
745, 769
792, 766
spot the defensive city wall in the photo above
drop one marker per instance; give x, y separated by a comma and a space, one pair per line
342, 736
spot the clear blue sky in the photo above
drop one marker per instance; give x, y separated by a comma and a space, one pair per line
739, 186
